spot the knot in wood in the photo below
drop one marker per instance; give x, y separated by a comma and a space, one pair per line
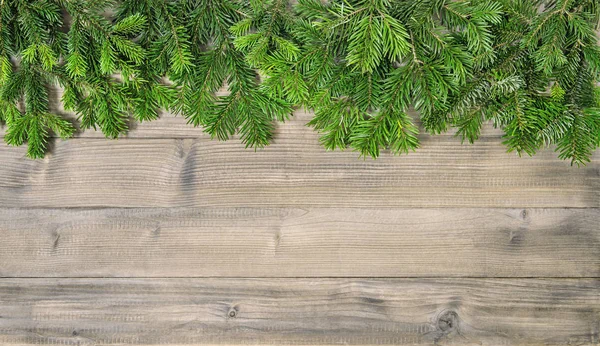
232, 313
447, 321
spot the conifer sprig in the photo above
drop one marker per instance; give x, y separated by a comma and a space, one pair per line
235, 67
530, 67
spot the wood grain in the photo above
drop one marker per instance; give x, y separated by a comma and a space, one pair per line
293, 242
167, 126
176, 126
296, 172
300, 311
146, 240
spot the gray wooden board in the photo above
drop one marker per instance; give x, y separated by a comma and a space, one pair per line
295, 242
300, 311
459, 230
170, 125
201, 172
166, 126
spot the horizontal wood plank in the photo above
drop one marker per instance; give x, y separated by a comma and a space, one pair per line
166, 126
294, 172
294, 242
300, 311
176, 126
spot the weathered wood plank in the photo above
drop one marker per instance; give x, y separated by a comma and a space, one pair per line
282, 242
300, 311
294, 172
172, 126
167, 126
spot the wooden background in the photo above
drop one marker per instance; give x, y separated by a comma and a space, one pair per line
165, 237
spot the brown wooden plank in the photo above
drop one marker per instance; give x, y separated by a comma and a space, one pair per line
167, 126
173, 126
176, 126
293, 242
293, 172
300, 311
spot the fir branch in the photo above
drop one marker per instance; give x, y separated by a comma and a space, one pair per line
529, 67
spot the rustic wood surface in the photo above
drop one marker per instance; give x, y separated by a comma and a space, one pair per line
166, 237
305, 311
176, 126
294, 171
285, 242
